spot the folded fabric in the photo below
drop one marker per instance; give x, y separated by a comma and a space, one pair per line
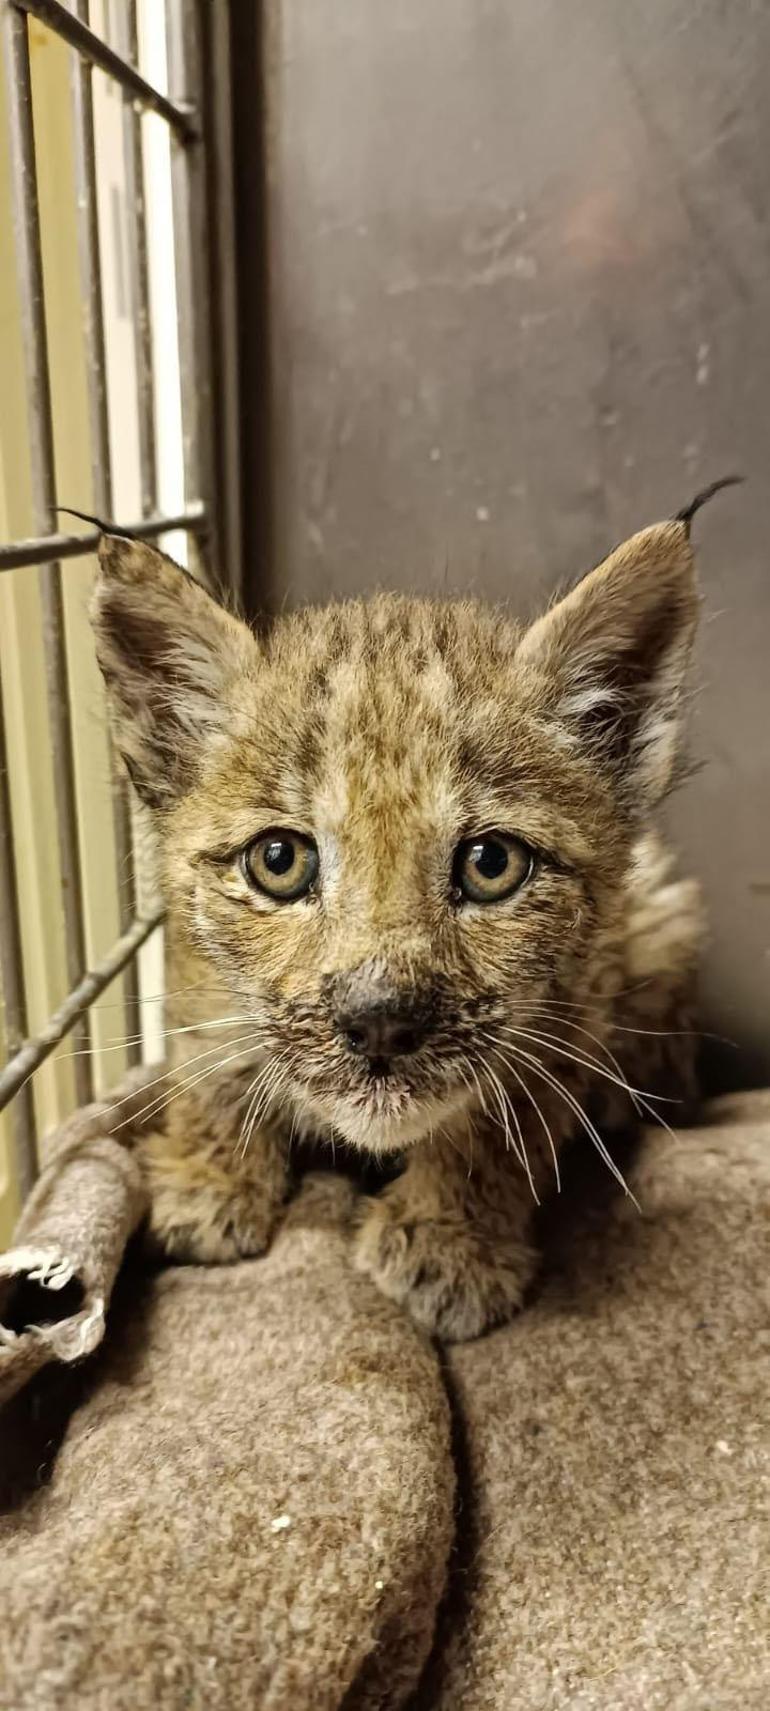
252, 1508
252, 1501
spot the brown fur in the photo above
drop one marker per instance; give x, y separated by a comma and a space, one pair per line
387, 731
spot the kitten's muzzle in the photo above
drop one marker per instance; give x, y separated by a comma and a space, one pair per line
380, 1033
378, 1016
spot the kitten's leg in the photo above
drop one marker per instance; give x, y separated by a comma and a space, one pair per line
210, 1200
451, 1239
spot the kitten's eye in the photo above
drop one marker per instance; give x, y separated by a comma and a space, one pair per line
283, 864
491, 867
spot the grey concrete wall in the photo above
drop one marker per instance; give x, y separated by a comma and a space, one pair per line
519, 307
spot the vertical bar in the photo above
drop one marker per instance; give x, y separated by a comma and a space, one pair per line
192, 277
215, 104
125, 17
254, 48
12, 982
28, 251
101, 460
139, 272
90, 275
125, 21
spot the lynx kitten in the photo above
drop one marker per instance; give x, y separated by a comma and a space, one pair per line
416, 900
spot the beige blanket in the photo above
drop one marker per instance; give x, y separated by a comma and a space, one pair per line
247, 1498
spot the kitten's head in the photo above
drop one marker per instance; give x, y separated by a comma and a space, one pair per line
398, 829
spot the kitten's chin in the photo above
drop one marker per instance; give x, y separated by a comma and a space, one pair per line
389, 1122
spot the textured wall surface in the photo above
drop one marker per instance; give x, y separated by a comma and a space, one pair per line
518, 308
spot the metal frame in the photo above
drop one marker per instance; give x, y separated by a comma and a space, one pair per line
73, 29
200, 332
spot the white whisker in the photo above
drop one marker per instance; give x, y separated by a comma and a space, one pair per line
166, 1075
249, 1096
582, 1116
191, 1081
589, 1063
262, 1090
505, 1106
161, 1033
163, 997
535, 1105
523, 1146
602, 1045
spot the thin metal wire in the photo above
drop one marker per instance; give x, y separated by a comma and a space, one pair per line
191, 254
71, 29
12, 980
14, 1075
40, 429
42, 548
101, 467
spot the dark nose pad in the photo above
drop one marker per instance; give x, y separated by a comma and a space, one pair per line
377, 1031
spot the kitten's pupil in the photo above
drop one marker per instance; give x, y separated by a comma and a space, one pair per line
279, 857
490, 858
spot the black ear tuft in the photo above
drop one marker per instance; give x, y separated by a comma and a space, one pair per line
86, 517
701, 499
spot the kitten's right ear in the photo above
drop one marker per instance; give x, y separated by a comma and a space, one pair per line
167, 652
612, 658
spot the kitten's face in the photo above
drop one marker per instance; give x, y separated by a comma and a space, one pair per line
395, 830
395, 761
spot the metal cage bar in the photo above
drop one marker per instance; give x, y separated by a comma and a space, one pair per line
12, 976
188, 190
211, 74
140, 279
15, 1074
89, 246
101, 465
40, 428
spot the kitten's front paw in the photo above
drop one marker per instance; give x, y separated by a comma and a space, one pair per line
454, 1281
208, 1229
210, 1207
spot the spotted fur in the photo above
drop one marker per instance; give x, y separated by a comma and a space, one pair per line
388, 730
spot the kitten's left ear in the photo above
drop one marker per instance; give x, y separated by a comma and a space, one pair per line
168, 653
613, 657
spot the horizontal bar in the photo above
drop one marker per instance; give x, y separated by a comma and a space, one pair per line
181, 116
43, 548
35, 1050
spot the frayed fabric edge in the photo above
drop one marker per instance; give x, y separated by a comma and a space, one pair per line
23, 1352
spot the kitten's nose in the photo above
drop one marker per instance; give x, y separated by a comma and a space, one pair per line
380, 1031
